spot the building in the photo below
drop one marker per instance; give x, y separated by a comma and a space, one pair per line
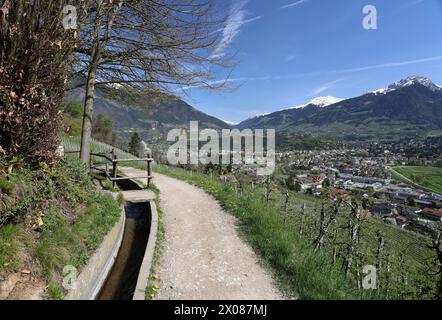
408, 212
432, 214
383, 209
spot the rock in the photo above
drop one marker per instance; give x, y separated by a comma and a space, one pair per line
8, 285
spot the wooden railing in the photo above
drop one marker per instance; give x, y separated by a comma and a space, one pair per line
111, 160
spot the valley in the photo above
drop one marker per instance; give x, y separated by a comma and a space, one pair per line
120, 181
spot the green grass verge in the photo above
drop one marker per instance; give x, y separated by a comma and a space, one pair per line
153, 281
12, 239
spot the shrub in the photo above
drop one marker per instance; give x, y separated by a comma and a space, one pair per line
34, 65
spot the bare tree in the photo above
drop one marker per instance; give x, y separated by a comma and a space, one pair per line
335, 245
324, 225
151, 44
354, 222
268, 189
379, 256
286, 205
301, 223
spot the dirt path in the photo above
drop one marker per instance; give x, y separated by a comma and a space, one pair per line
203, 256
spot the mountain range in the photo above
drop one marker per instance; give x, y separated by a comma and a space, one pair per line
407, 108
151, 114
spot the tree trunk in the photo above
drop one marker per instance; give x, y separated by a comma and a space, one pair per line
354, 226
379, 256
387, 277
301, 226
286, 206
99, 44
86, 131
436, 246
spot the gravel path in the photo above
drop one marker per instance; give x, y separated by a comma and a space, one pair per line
203, 256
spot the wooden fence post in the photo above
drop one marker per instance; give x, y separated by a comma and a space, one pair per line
149, 169
114, 169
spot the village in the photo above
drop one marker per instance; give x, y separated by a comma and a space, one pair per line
368, 175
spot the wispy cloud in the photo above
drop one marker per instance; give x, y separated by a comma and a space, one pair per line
388, 65
252, 19
412, 3
325, 87
237, 18
294, 4
290, 57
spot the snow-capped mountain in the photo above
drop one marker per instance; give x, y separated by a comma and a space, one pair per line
320, 102
230, 123
407, 108
409, 82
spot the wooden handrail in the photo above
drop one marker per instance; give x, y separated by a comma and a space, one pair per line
134, 160
99, 155
129, 178
112, 176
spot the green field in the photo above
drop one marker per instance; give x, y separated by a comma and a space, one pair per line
428, 177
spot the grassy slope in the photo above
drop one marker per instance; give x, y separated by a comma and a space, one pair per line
76, 218
428, 177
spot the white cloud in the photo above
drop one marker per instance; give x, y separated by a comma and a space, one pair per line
236, 19
325, 87
252, 19
388, 65
290, 57
294, 4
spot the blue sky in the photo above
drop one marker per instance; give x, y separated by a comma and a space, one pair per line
290, 51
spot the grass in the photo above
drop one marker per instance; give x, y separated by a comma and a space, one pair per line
300, 271
153, 283
12, 238
55, 291
428, 177
6, 186
62, 243
75, 218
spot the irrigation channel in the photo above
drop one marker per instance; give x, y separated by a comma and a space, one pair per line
122, 280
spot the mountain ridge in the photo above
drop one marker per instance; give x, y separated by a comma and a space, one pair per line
411, 107
151, 114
